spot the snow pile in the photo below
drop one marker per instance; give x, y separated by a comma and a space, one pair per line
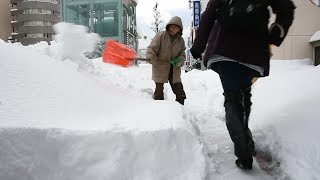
315, 37
71, 42
59, 123
285, 117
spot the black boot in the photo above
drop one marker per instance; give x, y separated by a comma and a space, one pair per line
158, 92
177, 89
234, 107
244, 164
247, 109
181, 101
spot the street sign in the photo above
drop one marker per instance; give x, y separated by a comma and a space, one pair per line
196, 13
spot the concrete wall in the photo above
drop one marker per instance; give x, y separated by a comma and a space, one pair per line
5, 19
306, 23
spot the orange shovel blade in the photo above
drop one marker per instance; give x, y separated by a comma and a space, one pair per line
117, 53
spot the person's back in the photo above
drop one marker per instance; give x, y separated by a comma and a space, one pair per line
245, 46
243, 15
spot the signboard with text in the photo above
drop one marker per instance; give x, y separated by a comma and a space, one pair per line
196, 13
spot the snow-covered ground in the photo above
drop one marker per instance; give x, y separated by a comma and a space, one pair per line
60, 120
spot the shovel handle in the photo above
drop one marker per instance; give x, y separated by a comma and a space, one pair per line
141, 59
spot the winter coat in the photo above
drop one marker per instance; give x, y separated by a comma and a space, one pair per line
162, 49
250, 47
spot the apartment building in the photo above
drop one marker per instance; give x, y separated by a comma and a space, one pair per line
32, 20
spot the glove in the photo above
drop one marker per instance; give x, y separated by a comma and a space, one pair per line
195, 54
276, 34
175, 61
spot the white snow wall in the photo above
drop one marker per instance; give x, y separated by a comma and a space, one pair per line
43, 154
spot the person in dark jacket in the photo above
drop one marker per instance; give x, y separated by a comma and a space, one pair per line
167, 54
239, 57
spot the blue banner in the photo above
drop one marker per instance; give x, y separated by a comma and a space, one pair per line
196, 13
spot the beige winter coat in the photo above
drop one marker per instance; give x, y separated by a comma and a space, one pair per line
162, 49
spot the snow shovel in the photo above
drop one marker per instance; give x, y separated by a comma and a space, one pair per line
119, 54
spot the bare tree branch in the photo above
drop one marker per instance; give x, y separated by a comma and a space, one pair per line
155, 26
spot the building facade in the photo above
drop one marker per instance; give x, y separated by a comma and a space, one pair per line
306, 22
115, 19
296, 45
32, 20
5, 20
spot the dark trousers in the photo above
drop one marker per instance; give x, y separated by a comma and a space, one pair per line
177, 89
234, 76
236, 82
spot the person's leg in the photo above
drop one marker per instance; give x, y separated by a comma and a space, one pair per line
158, 93
177, 88
247, 109
236, 79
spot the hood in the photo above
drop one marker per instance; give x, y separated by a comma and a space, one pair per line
176, 21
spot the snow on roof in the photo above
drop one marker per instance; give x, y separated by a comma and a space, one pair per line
315, 37
316, 2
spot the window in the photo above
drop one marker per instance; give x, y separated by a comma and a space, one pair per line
317, 55
37, 35
37, 23
101, 18
56, 13
37, 11
50, 1
78, 14
106, 21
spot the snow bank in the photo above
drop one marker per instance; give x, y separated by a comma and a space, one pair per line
63, 155
315, 37
59, 123
285, 116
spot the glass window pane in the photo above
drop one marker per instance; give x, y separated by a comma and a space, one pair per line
78, 14
105, 19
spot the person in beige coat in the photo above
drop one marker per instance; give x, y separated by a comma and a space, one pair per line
166, 53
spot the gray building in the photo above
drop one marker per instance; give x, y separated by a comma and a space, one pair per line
32, 20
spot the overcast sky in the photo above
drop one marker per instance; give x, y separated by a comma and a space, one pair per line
168, 9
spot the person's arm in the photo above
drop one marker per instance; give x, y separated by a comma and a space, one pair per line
284, 10
153, 48
207, 20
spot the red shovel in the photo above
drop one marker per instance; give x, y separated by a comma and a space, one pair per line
119, 54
